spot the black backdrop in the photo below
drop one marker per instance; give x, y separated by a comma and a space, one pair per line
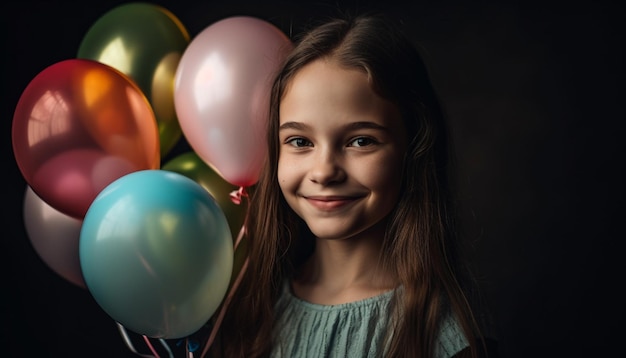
535, 97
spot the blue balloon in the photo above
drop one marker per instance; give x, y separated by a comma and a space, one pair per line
156, 253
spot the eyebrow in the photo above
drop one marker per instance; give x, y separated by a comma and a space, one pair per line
293, 125
366, 125
351, 126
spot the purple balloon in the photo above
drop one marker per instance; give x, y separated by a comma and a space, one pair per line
54, 237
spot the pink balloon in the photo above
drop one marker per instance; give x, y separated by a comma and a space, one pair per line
54, 237
221, 94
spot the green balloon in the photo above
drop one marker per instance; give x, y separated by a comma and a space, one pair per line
193, 167
145, 42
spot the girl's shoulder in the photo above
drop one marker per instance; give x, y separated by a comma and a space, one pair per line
451, 339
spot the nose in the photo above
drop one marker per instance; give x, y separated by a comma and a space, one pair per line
327, 168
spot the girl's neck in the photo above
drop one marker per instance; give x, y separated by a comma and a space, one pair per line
341, 271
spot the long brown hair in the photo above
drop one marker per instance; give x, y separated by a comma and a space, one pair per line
420, 244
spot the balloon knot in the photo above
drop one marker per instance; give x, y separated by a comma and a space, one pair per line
193, 345
236, 195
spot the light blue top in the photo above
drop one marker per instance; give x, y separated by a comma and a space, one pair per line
355, 329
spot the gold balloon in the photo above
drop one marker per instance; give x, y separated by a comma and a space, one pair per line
145, 42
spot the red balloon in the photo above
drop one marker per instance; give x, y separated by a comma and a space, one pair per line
77, 127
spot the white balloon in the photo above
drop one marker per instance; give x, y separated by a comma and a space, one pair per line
54, 237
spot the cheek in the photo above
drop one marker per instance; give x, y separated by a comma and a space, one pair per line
383, 175
285, 174
281, 177
386, 183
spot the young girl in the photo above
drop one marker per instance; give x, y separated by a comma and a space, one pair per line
350, 227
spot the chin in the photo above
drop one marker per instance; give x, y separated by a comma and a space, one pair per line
331, 237
345, 231
326, 233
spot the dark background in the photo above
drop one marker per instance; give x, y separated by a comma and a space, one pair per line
535, 96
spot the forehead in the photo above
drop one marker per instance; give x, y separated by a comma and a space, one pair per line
328, 72
325, 89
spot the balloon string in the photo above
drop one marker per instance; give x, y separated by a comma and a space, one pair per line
132, 348
156, 355
167, 347
239, 193
128, 342
236, 197
239, 237
187, 350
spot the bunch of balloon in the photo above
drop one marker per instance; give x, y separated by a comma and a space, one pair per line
85, 122
77, 126
145, 42
221, 96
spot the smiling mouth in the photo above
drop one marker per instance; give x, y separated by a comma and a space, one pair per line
328, 203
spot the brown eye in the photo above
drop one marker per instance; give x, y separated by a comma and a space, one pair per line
299, 142
361, 142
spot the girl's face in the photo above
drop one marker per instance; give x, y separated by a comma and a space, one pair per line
341, 151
